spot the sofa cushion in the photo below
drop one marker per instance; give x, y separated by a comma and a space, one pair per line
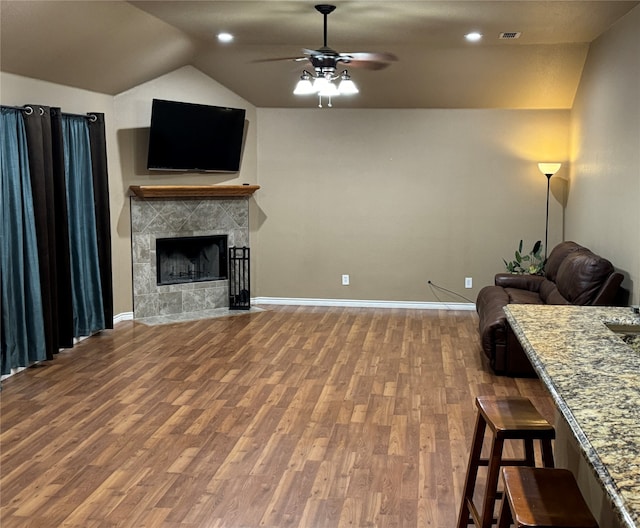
517, 296
557, 256
549, 293
581, 276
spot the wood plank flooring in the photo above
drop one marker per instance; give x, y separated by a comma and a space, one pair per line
289, 417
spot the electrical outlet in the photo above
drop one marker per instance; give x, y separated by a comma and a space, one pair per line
345, 280
468, 282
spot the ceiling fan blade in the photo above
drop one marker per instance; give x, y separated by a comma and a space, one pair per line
370, 56
311, 52
367, 60
365, 65
294, 59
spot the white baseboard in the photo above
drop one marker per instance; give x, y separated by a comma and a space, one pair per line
412, 305
124, 316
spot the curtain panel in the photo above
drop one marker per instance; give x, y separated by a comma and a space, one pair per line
64, 164
44, 142
86, 288
103, 216
22, 334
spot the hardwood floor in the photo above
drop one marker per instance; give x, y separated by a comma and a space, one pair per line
290, 417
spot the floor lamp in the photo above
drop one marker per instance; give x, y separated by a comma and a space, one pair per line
548, 169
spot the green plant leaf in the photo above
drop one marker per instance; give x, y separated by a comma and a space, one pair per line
530, 263
536, 247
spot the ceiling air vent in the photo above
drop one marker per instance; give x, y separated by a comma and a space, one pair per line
510, 35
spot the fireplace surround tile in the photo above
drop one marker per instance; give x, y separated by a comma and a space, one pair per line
166, 218
170, 303
193, 301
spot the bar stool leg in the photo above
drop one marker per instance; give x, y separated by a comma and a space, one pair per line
472, 471
547, 454
492, 482
505, 519
529, 453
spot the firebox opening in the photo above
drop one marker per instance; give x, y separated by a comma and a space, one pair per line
191, 259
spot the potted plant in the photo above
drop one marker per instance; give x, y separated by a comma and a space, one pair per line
531, 263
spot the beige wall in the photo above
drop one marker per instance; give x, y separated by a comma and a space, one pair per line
399, 197
604, 191
393, 198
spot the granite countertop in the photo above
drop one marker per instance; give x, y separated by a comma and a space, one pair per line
594, 378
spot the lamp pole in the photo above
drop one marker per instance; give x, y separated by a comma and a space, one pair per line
546, 226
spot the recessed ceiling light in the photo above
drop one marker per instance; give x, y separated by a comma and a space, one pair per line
225, 37
473, 36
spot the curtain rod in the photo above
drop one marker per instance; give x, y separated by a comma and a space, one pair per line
90, 117
27, 109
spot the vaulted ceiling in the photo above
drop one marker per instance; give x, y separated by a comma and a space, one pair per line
111, 46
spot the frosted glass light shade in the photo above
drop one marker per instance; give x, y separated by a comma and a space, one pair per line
329, 90
304, 87
549, 168
319, 83
347, 87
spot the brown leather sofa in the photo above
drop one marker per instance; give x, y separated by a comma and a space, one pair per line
572, 275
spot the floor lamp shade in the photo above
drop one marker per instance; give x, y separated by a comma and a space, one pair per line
549, 169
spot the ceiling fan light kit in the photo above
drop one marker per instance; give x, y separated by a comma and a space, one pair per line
325, 63
324, 86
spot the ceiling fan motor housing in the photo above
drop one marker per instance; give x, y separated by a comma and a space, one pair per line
325, 61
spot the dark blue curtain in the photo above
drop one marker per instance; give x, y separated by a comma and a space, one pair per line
22, 331
88, 310
55, 230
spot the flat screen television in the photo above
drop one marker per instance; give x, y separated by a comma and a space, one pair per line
195, 137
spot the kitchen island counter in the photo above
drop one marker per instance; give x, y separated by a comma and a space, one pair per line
594, 378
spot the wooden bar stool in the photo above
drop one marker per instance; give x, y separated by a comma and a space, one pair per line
508, 418
543, 498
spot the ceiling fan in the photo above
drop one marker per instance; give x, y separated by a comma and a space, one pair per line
325, 62
326, 59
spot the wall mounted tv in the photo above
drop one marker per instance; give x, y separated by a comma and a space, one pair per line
195, 137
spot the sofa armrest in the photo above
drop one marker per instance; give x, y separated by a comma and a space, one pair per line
608, 294
489, 304
522, 282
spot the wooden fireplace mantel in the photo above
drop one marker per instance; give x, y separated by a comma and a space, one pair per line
193, 191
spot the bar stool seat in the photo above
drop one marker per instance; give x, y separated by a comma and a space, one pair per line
508, 418
543, 498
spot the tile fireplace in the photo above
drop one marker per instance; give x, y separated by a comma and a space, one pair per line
196, 279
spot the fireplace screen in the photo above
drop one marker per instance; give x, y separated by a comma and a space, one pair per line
191, 259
